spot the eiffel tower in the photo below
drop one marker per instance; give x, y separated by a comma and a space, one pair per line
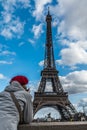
55, 98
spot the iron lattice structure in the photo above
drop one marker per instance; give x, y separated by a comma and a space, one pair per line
56, 98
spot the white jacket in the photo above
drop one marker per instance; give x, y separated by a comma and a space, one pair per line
9, 115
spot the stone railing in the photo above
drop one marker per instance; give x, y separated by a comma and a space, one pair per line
55, 126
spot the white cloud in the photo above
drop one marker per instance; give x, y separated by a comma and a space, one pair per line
12, 29
11, 4
6, 33
41, 63
55, 22
31, 41
6, 52
5, 62
6, 56
75, 82
39, 7
75, 53
6, 17
73, 18
10, 25
21, 44
2, 76
33, 86
24, 3
83, 102
37, 30
49, 87
8, 6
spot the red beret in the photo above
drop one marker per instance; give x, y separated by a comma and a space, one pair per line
21, 79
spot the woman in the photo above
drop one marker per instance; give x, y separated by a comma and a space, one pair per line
9, 114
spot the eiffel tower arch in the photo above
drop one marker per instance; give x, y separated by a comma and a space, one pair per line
55, 98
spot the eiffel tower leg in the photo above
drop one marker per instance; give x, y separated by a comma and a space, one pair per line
65, 114
61, 113
42, 85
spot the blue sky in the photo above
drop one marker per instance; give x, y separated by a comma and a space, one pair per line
22, 41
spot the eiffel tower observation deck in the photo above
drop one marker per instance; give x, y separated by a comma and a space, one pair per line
56, 97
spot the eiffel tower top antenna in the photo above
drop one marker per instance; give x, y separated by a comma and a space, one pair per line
49, 61
48, 10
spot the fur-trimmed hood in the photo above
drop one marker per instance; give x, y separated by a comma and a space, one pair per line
14, 86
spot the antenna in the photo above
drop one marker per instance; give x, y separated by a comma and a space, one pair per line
48, 10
